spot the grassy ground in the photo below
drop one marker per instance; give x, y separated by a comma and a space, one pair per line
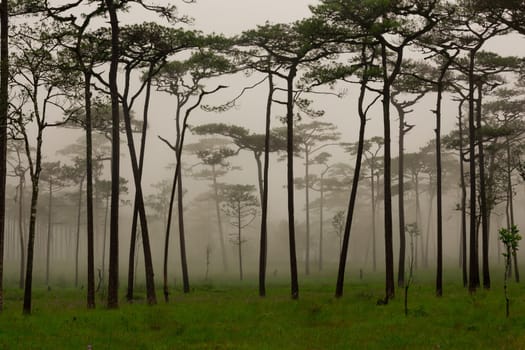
232, 316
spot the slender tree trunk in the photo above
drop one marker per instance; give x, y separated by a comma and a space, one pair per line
89, 196
263, 245
182, 240
113, 280
511, 208
482, 191
473, 254
401, 198
131, 265
290, 182
4, 100
239, 238
104, 239
439, 253
321, 219
463, 199
219, 218
373, 201
77, 237
21, 231
257, 156
355, 185
389, 248
132, 250
49, 226
307, 204
429, 220
418, 220
137, 177
28, 285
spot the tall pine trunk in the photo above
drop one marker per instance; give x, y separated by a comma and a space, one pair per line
484, 212
89, 195
133, 239
389, 247
263, 245
113, 278
401, 198
49, 228
355, 183
473, 253
4, 100
290, 182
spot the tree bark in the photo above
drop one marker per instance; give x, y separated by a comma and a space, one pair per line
77, 237
463, 200
401, 198
137, 177
389, 248
439, 253
307, 204
133, 239
113, 278
4, 100
182, 239
355, 185
482, 192
263, 245
49, 227
89, 196
219, 218
239, 238
21, 230
290, 181
473, 253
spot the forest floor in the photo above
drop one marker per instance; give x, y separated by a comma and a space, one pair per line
230, 315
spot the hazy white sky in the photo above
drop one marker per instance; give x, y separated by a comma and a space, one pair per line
232, 16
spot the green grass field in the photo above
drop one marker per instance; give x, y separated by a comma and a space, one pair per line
232, 316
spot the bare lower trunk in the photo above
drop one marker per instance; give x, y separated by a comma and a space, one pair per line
77, 237
49, 226
263, 245
290, 183
4, 99
113, 280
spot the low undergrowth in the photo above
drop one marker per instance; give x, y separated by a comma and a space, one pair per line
232, 316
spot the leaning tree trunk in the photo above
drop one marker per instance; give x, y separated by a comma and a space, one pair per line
89, 195
182, 240
30, 245
137, 177
263, 245
355, 185
131, 265
35, 178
